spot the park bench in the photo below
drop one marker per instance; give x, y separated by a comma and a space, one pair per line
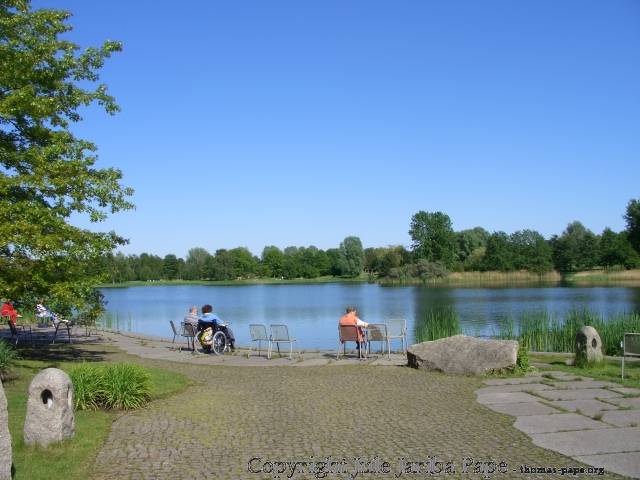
630, 347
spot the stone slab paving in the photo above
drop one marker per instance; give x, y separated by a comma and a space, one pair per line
613, 443
523, 409
561, 422
510, 381
623, 463
627, 391
587, 407
622, 418
583, 385
513, 388
582, 394
515, 397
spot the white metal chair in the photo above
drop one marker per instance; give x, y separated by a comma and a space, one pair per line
279, 333
349, 333
398, 329
258, 332
65, 324
177, 332
19, 329
378, 332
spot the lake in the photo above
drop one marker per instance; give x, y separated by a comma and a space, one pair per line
312, 311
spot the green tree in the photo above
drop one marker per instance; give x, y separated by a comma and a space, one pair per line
170, 267
244, 263
433, 238
351, 256
632, 217
223, 265
334, 258
272, 261
498, 255
530, 251
48, 175
195, 261
470, 240
576, 249
322, 263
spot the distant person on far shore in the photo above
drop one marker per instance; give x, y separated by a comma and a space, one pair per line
192, 318
351, 319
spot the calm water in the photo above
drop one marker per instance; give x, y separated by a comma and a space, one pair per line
312, 311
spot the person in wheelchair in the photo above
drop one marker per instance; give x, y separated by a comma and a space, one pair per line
210, 319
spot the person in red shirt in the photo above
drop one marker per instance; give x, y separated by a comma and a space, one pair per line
7, 310
351, 319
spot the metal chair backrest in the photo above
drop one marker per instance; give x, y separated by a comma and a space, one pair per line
397, 327
348, 333
631, 345
188, 330
377, 332
258, 331
279, 332
175, 332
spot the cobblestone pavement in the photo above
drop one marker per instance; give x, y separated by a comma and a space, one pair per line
231, 415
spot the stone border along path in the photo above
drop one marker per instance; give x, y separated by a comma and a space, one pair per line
593, 422
361, 415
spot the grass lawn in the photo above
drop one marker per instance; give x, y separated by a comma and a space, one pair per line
610, 370
72, 459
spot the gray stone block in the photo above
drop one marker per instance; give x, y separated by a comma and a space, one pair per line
515, 397
562, 422
523, 409
49, 409
627, 464
463, 355
586, 442
6, 457
510, 381
622, 418
626, 402
587, 407
583, 385
513, 388
584, 394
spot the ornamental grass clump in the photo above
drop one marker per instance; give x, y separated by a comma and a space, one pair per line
437, 324
8, 355
88, 386
113, 386
128, 386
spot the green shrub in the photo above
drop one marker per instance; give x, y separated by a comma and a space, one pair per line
88, 386
8, 355
127, 386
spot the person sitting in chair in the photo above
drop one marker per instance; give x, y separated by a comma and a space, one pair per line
351, 319
192, 318
44, 312
8, 311
209, 317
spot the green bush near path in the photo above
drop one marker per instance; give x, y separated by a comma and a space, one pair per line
70, 460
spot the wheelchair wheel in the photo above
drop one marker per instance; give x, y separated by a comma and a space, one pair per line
219, 343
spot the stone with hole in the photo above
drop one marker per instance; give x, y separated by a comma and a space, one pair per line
6, 458
463, 355
49, 409
588, 346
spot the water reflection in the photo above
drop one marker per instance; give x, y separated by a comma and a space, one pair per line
312, 311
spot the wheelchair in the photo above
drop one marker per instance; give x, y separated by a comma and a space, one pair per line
218, 343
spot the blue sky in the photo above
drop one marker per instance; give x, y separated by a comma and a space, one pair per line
254, 123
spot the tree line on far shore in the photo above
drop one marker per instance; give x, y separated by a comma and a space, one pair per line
436, 251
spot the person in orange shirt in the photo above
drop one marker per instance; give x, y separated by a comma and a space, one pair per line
7, 310
351, 319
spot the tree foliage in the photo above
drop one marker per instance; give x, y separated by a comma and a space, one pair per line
351, 256
433, 238
632, 218
47, 173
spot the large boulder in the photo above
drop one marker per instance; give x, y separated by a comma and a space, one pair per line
6, 459
49, 409
463, 355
